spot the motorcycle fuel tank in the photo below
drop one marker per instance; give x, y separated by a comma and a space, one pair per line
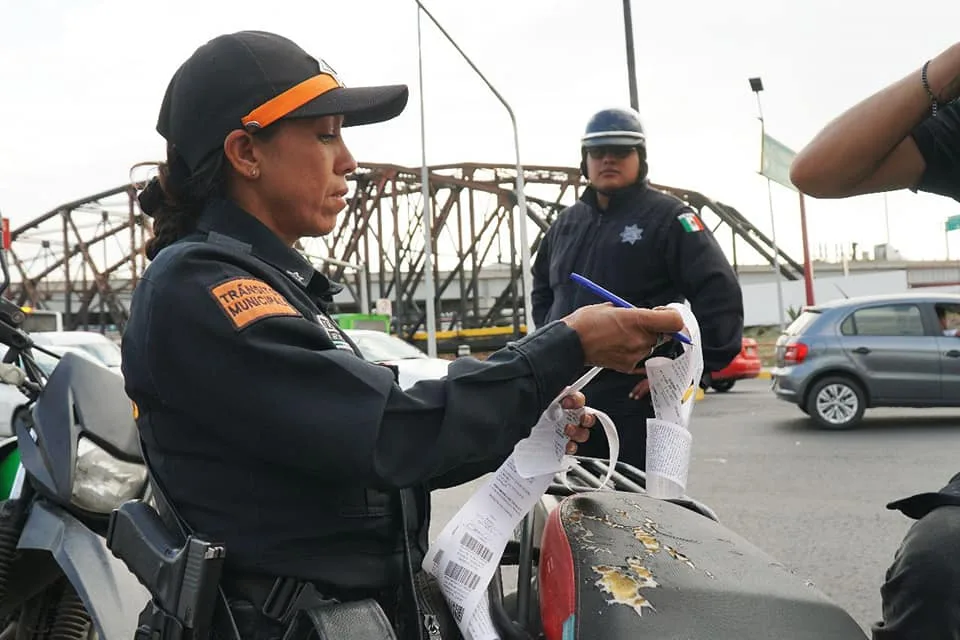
623, 565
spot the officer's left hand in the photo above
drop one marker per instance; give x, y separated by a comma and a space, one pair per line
577, 432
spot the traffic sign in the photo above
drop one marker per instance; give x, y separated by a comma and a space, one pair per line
775, 161
952, 223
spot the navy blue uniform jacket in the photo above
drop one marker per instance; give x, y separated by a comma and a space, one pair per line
649, 248
272, 434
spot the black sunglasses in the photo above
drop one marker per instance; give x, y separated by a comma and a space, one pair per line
617, 152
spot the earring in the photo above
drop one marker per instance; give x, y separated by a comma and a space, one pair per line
254, 172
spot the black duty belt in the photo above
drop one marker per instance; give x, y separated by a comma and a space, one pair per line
279, 599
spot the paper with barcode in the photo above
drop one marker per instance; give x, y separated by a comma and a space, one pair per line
467, 552
673, 391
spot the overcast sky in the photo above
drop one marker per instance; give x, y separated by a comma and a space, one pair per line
83, 79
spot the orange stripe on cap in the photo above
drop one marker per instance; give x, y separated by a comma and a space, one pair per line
290, 100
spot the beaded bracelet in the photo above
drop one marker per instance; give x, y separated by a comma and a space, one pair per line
926, 85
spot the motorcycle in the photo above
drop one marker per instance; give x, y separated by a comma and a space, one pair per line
73, 459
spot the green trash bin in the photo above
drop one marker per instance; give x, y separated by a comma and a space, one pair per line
8, 472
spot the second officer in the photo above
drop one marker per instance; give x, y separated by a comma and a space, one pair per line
646, 246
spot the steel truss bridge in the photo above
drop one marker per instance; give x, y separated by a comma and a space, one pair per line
85, 257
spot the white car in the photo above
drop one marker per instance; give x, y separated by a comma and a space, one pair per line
412, 364
11, 398
96, 344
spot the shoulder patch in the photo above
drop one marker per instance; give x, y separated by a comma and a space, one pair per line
333, 333
246, 300
690, 222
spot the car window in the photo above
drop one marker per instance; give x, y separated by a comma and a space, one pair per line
886, 320
801, 322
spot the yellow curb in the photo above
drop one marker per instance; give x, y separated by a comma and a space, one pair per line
764, 375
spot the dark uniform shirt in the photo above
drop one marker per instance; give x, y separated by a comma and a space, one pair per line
270, 433
938, 140
649, 248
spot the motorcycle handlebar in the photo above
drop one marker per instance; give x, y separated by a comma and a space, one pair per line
17, 341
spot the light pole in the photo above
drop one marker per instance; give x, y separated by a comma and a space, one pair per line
631, 62
756, 84
526, 273
427, 211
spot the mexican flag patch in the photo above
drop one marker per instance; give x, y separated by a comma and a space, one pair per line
691, 222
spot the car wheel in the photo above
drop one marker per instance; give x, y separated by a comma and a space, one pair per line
836, 403
723, 385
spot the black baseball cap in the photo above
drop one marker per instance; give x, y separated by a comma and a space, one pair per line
251, 79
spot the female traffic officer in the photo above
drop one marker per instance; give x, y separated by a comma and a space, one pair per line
905, 136
260, 421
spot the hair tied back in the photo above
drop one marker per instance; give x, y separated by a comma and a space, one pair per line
151, 197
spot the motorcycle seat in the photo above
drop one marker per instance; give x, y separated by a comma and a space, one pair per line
624, 565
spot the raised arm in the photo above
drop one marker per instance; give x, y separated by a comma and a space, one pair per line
869, 148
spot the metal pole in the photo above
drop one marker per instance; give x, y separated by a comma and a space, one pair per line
527, 274
631, 62
364, 294
776, 256
807, 265
773, 224
886, 218
427, 213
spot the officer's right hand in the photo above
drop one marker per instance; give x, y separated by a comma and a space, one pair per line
617, 338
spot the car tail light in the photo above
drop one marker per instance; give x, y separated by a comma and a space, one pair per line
795, 353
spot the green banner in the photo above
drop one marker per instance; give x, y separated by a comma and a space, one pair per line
775, 161
952, 223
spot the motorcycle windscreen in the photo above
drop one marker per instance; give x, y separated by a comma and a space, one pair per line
623, 565
80, 398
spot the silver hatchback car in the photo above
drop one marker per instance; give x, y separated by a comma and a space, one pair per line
840, 358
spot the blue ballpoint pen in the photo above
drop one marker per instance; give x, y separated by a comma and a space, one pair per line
617, 300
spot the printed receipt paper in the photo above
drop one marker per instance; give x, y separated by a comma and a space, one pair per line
467, 552
673, 391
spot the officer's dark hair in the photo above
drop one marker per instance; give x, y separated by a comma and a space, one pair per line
175, 198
